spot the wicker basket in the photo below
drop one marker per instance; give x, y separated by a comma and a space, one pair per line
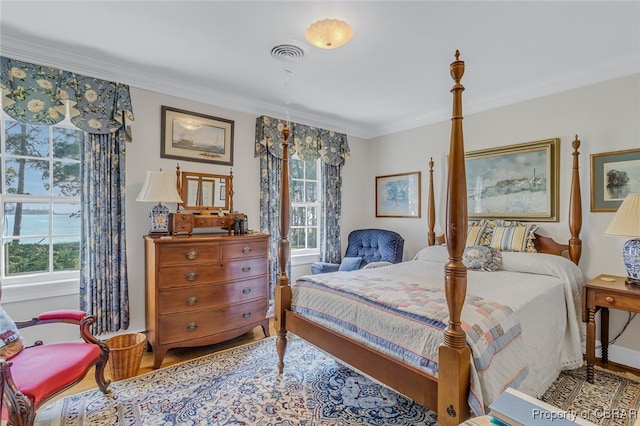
125, 354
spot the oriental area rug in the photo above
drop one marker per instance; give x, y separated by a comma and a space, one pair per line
241, 386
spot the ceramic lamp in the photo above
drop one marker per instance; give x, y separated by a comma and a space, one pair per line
626, 222
159, 187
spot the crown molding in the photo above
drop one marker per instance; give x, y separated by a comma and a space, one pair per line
37, 53
586, 76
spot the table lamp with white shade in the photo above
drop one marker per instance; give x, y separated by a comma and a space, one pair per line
159, 187
626, 222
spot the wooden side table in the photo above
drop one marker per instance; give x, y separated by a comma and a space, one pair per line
601, 293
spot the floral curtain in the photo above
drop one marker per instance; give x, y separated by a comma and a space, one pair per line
38, 94
309, 143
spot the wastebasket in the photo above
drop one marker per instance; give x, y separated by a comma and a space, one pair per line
125, 354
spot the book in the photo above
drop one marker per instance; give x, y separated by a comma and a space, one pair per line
514, 408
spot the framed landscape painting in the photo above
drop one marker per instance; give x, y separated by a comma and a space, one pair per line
198, 137
514, 182
614, 175
398, 195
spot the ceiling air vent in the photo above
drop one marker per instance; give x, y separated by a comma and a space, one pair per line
287, 53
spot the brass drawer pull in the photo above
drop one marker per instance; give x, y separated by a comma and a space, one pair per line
192, 254
609, 299
192, 301
246, 290
191, 276
246, 268
192, 326
246, 250
246, 315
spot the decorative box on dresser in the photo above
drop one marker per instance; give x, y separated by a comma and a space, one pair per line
204, 288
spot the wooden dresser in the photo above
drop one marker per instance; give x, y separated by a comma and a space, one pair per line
204, 288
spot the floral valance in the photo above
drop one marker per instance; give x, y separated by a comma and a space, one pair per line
37, 94
308, 142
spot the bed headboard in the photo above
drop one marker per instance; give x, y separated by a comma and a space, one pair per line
542, 244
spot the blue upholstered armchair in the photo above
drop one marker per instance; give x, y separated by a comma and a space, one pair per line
366, 246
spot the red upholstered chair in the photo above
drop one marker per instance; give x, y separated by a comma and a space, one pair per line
39, 372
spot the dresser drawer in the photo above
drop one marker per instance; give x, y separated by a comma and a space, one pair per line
197, 324
190, 275
211, 295
243, 269
188, 253
204, 221
615, 301
244, 249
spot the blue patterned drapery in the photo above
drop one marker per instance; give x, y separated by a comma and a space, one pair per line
37, 94
309, 143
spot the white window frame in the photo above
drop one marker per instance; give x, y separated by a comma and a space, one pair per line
35, 285
309, 255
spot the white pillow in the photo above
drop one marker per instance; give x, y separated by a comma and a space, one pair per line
434, 254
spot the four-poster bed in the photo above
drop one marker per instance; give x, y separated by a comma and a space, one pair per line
447, 390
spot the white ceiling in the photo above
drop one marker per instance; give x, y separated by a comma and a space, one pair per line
392, 75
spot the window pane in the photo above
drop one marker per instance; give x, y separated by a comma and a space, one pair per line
312, 238
297, 191
27, 177
66, 179
297, 216
296, 238
312, 216
296, 169
66, 254
67, 143
66, 220
26, 139
312, 192
26, 255
26, 219
311, 170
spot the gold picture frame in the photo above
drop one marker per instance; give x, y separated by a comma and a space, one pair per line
192, 136
614, 175
514, 182
398, 195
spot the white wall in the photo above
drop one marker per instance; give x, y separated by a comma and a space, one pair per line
605, 116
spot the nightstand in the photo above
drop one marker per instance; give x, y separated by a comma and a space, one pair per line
601, 293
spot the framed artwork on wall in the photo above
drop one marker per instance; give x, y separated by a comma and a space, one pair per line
196, 137
398, 195
514, 182
614, 175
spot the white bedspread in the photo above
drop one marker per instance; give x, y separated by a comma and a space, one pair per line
543, 290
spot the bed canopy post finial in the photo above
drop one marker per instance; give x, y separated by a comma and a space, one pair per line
431, 216
283, 289
454, 354
575, 207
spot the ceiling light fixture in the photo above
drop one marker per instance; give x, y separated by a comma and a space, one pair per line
329, 33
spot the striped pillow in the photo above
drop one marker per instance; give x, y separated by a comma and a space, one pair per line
479, 234
514, 238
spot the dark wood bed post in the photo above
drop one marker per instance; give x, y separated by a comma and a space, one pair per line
283, 289
431, 221
454, 354
575, 207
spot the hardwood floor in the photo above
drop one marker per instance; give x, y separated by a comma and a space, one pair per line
174, 356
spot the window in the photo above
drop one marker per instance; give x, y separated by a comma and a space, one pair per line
306, 201
40, 202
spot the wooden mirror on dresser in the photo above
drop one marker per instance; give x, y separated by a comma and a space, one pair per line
207, 203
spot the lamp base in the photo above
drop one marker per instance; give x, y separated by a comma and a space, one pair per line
159, 216
631, 259
632, 281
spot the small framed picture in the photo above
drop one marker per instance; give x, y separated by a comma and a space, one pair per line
196, 137
614, 175
398, 195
